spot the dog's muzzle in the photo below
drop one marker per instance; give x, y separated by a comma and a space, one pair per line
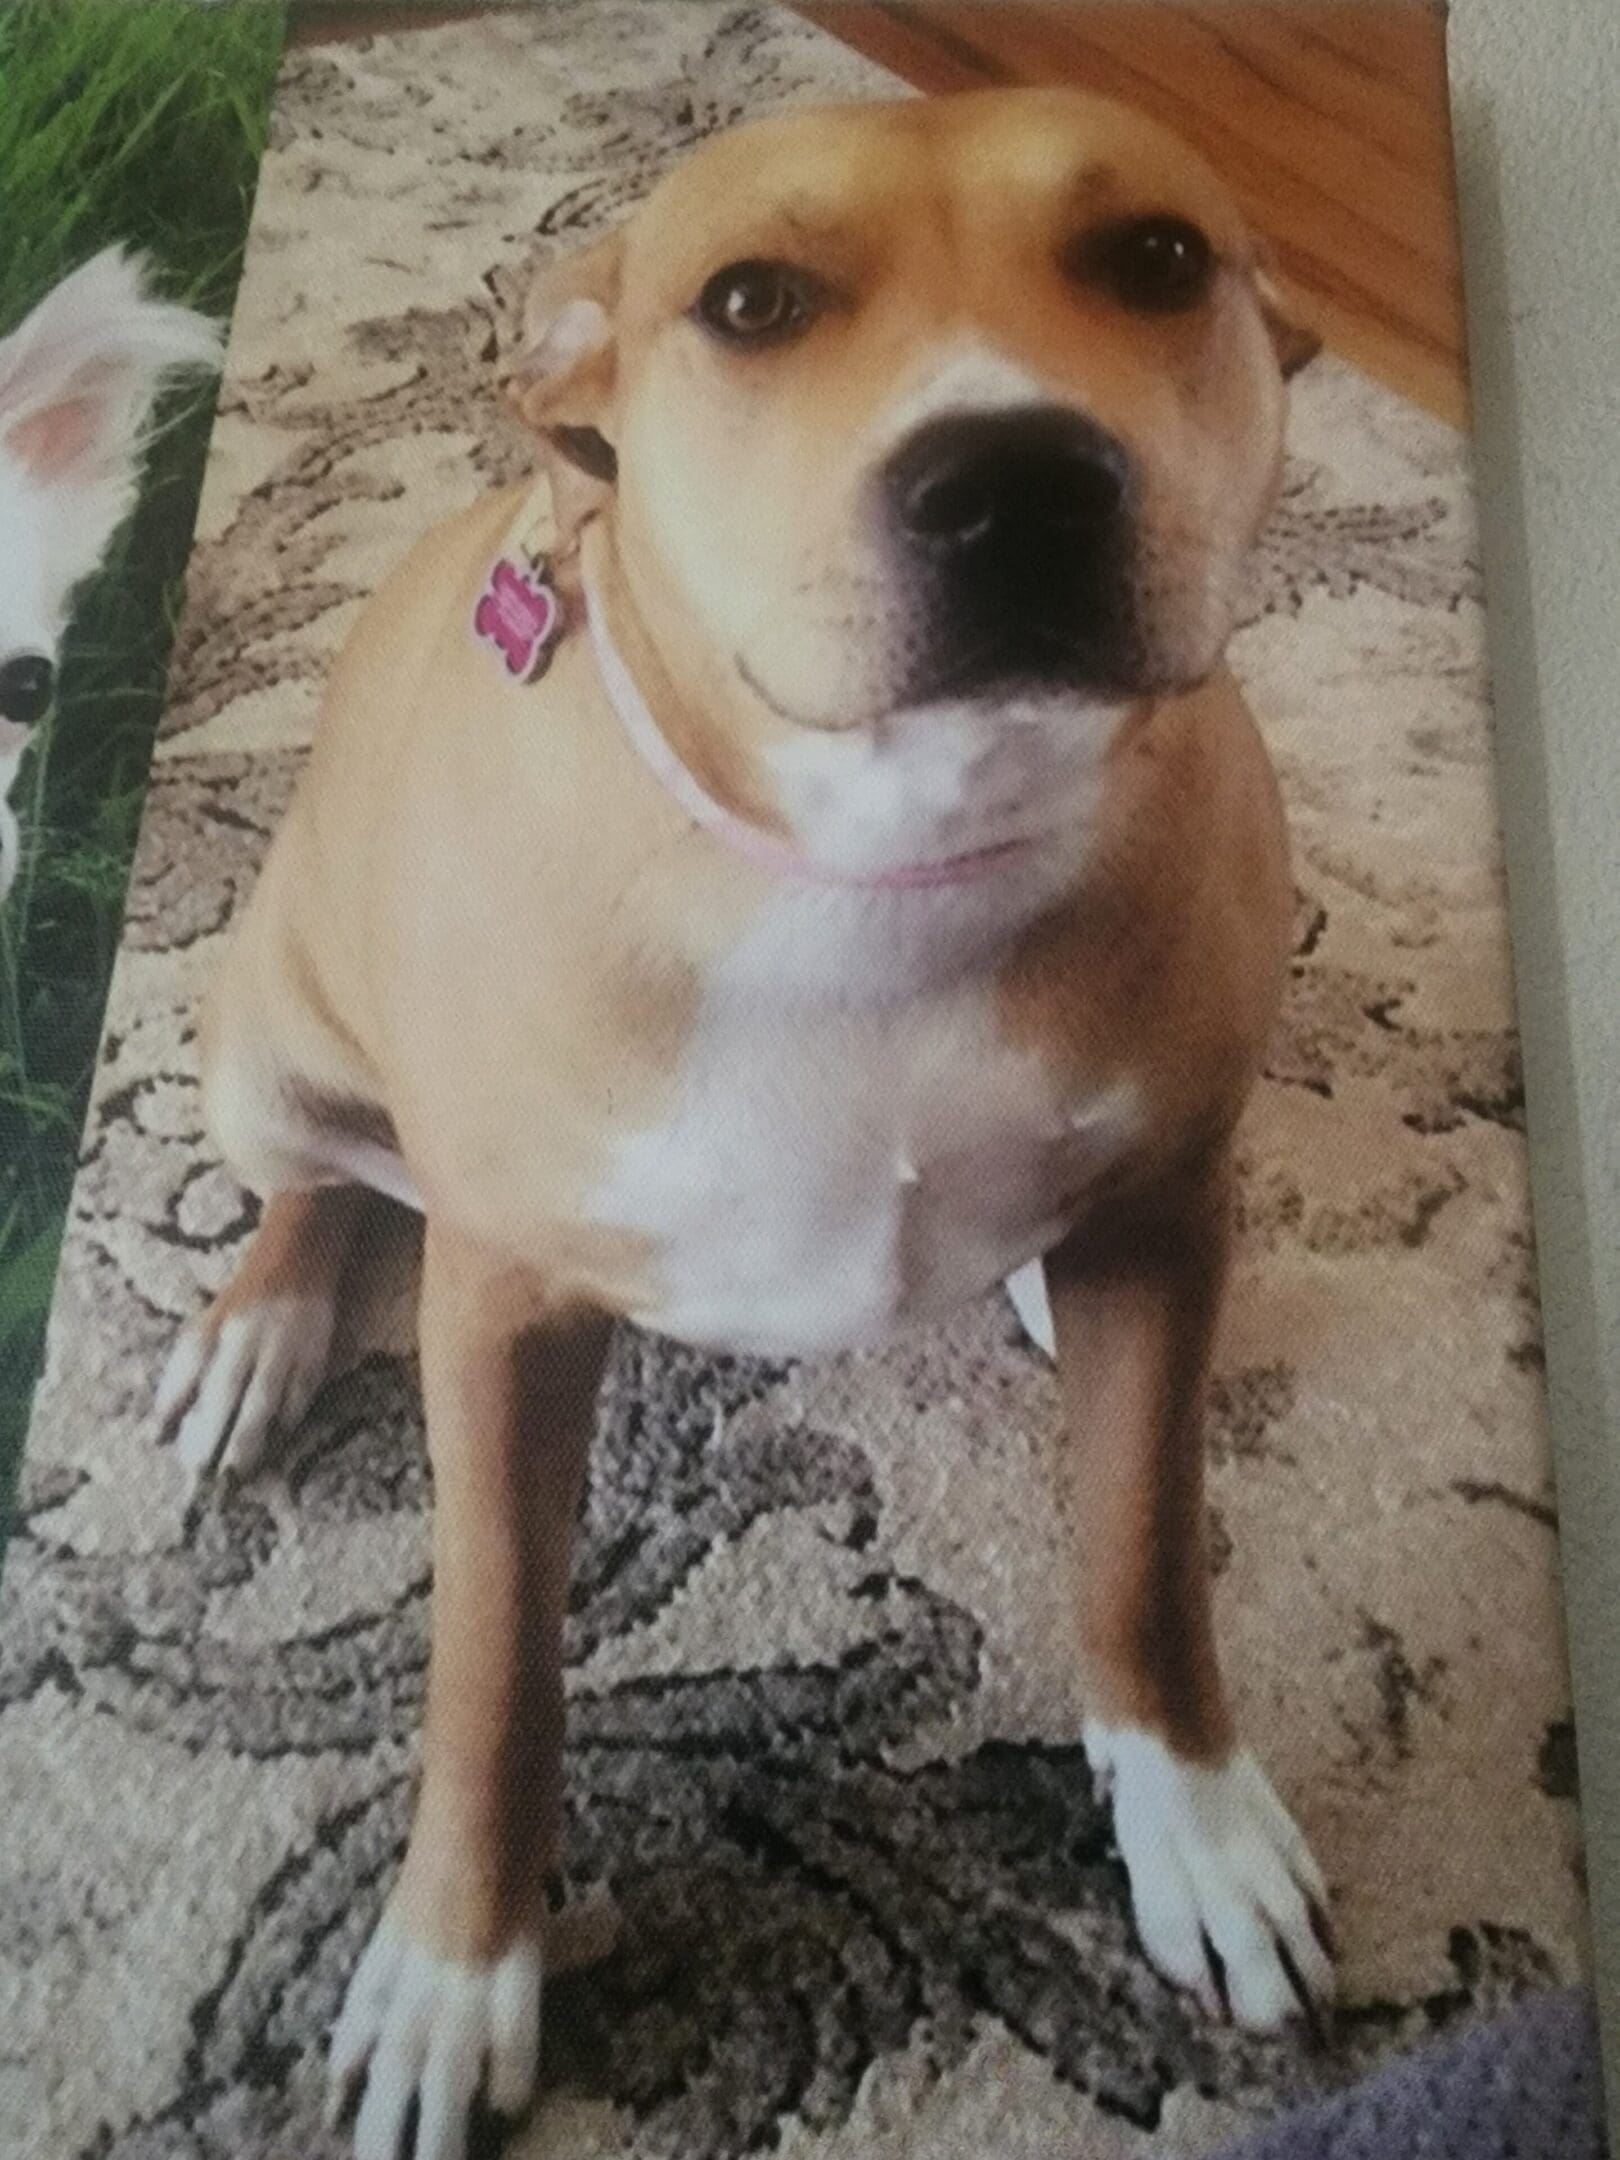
1013, 533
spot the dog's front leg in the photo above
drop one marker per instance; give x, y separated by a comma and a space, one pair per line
448, 1993
1227, 1899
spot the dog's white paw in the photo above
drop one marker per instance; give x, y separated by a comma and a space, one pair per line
426, 2028
234, 1380
1227, 1898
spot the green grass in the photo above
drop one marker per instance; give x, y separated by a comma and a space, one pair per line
139, 121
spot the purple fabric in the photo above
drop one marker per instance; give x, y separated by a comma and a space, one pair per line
1526, 2086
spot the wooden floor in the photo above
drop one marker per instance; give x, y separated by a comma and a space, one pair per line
1329, 118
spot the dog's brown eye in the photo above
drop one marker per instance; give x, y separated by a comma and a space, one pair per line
1156, 264
751, 303
26, 686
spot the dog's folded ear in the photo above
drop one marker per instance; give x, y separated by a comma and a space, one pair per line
78, 379
562, 377
1296, 342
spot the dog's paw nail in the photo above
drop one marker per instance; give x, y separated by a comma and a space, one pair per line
1218, 2002
1322, 1929
1305, 2001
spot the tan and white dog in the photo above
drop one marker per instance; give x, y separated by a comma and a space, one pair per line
789, 867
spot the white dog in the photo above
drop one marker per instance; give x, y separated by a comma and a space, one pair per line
78, 380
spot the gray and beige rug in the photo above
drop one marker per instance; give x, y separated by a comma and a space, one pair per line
828, 1815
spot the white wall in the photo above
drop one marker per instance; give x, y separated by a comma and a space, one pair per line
1536, 108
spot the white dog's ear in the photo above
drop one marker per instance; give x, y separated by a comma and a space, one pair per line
563, 375
77, 383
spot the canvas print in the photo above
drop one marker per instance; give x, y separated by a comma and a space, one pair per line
795, 1402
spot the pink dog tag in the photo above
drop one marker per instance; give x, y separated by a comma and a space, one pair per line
519, 613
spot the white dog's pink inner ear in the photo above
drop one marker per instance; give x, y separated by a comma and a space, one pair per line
50, 442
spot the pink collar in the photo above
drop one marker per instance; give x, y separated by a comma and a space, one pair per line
766, 851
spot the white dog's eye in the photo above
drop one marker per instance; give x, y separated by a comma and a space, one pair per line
26, 687
756, 302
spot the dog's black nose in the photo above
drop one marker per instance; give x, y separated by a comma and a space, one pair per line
969, 485
26, 684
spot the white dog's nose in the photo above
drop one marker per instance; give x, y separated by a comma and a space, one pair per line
27, 684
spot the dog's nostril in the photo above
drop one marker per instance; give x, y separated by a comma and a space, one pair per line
26, 686
972, 478
955, 507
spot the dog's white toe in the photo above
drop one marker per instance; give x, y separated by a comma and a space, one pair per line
232, 1383
1026, 1287
429, 2029
1228, 1901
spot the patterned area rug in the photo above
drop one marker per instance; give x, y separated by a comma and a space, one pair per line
841, 1880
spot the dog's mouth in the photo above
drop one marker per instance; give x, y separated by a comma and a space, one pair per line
987, 663
1026, 653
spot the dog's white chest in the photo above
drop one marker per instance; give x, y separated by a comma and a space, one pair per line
831, 1170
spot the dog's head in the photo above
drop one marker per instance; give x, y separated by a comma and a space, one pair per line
77, 382
937, 409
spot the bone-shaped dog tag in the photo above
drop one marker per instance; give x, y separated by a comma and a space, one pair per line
520, 615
